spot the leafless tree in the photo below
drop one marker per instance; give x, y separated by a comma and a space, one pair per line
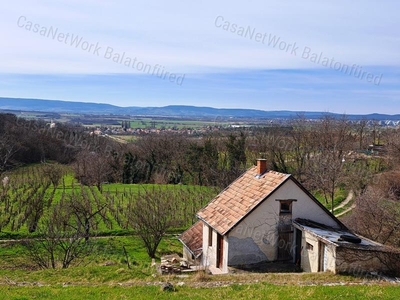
150, 214
85, 211
7, 203
54, 172
93, 168
9, 144
60, 243
163, 158
201, 162
392, 138
332, 141
8, 147
360, 128
376, 216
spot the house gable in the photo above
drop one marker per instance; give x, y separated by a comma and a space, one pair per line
256, 237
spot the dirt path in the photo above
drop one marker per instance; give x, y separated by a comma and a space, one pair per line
346, 201
345, 211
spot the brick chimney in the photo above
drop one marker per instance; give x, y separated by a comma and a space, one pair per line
261, 166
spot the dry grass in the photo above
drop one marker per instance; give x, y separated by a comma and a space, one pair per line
201, 276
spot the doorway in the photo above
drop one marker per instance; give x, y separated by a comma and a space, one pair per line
299, 238
323, 257
220, 251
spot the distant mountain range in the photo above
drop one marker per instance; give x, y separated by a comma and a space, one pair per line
181, 111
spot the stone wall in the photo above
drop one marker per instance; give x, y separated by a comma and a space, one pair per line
356, 261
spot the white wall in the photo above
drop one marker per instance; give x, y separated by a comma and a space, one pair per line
312, 259
209, 257
255, 238
225, 255
309, 258
304, 207
187, 255
209, 253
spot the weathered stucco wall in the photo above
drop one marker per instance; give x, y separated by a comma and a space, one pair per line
309, 255
209, 257
209, 253
305, 207
317, 256
187, 255
226, 255
255, 239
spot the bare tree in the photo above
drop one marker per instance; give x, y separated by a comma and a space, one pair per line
8, 147
85, 211
332, 141
9, 144
61, 243
7, 203
361, 127
92, 168
163, 158
376, 216
393, 144
301, 147
151, 213
54, 172
202, 162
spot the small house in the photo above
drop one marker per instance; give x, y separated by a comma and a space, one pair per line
266, 216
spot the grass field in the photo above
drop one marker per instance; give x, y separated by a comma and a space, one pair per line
169, 123
340, 196
105, 275
255, 291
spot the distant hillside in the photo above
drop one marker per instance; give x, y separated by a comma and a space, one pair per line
57, 106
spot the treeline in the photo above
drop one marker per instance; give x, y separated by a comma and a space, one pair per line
322, 155
33, 141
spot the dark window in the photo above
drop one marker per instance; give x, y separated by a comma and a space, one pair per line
309, 247
286, 207
210, 234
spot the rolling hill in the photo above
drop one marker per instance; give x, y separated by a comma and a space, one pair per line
183, 111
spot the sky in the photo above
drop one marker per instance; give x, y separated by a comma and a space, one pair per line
330, 56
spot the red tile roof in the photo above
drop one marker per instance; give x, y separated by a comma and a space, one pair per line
193, 238
240, 198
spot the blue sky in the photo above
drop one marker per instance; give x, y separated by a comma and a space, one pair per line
273, 55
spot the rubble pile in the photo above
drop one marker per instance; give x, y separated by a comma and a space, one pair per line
173, 264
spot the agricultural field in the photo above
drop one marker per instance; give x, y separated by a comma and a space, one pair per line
32, 193
116, 120
169, 123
